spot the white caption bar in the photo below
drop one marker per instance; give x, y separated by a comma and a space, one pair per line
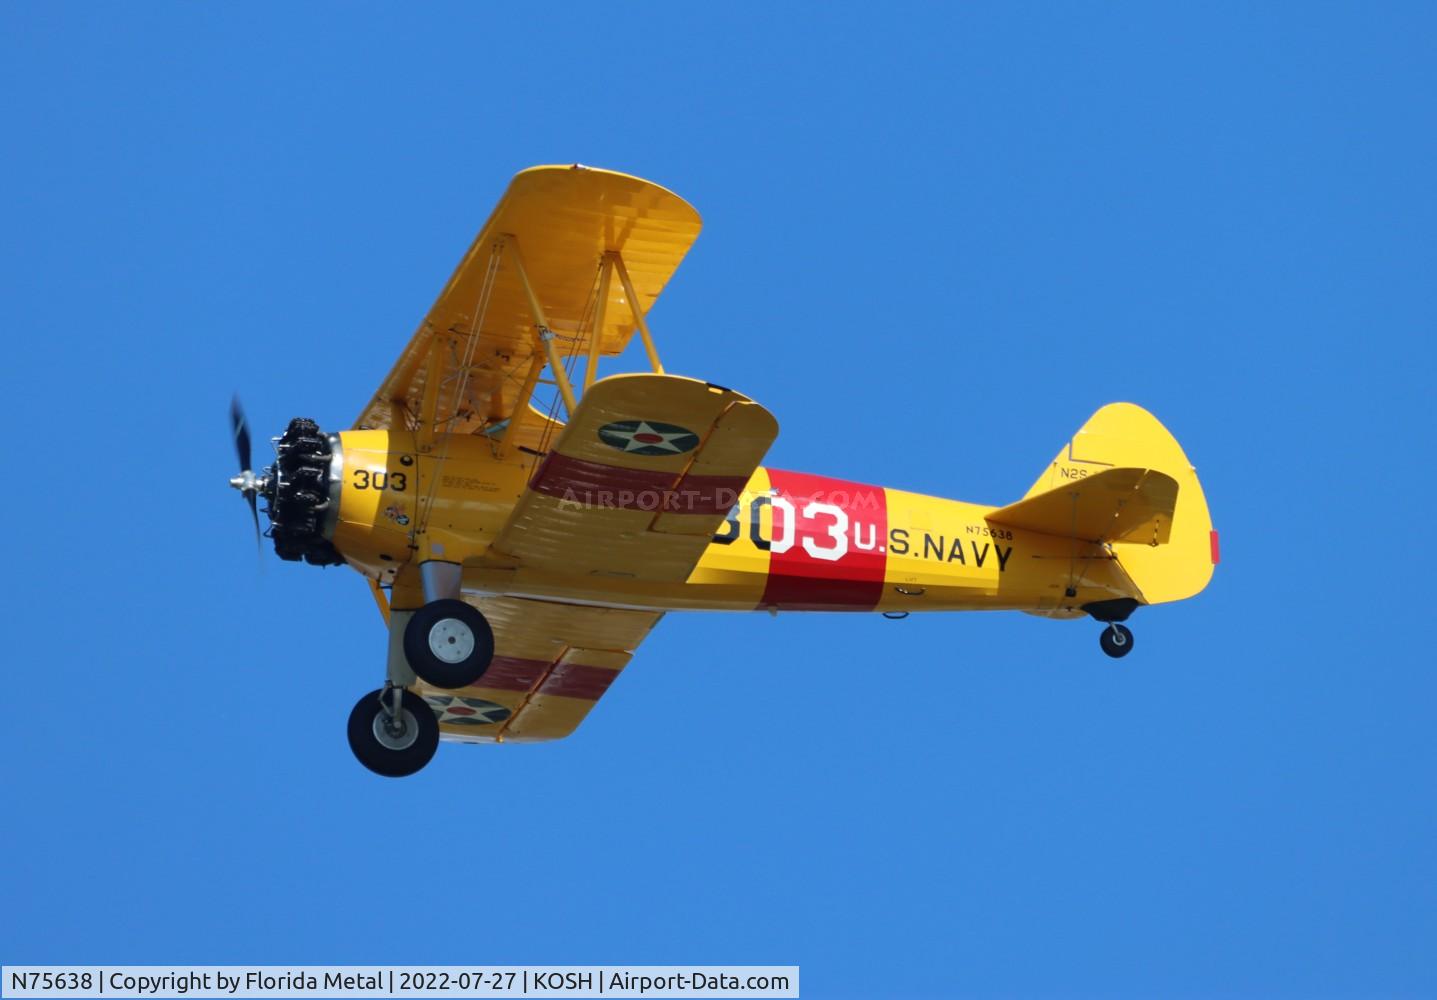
376, 981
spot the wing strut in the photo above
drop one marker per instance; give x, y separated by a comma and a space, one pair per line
380, 600
546, 335
611, 263
639, 320
606, 271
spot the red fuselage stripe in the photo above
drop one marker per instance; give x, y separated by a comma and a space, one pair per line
830, 516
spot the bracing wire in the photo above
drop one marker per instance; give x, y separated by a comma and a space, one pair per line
481, 311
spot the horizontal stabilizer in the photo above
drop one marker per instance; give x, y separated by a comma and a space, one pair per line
1115, 505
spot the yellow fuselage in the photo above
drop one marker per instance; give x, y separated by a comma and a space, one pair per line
792, 541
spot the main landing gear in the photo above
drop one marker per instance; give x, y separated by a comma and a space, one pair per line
393, 732
448, 643
1116, 640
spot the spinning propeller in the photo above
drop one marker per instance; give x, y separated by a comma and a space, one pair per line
246, 482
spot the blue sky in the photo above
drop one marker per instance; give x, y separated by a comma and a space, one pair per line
937, 238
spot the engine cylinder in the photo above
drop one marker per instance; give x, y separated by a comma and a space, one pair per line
301, 500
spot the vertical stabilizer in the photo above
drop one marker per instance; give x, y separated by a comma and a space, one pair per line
1122, 435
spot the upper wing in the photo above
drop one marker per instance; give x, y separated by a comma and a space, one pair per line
563, 220
1115, 505
642, 476
551, 663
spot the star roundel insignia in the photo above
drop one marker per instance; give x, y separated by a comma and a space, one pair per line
648, 437
454, 711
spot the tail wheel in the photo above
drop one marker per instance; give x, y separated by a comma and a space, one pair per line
1116, 640
449, 644
393, 743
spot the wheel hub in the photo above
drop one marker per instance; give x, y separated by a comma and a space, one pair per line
396, 733
451, 641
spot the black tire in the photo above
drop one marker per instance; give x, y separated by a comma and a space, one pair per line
1116, 640
393, 754
441, 626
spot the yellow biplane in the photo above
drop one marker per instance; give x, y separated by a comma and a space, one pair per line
519, 559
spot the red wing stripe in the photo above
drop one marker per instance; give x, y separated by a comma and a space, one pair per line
610, 487
510, 673
574, 478
707, 494
579, 680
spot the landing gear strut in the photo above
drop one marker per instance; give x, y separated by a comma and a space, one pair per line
393, 732
448, 643
1116, 640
